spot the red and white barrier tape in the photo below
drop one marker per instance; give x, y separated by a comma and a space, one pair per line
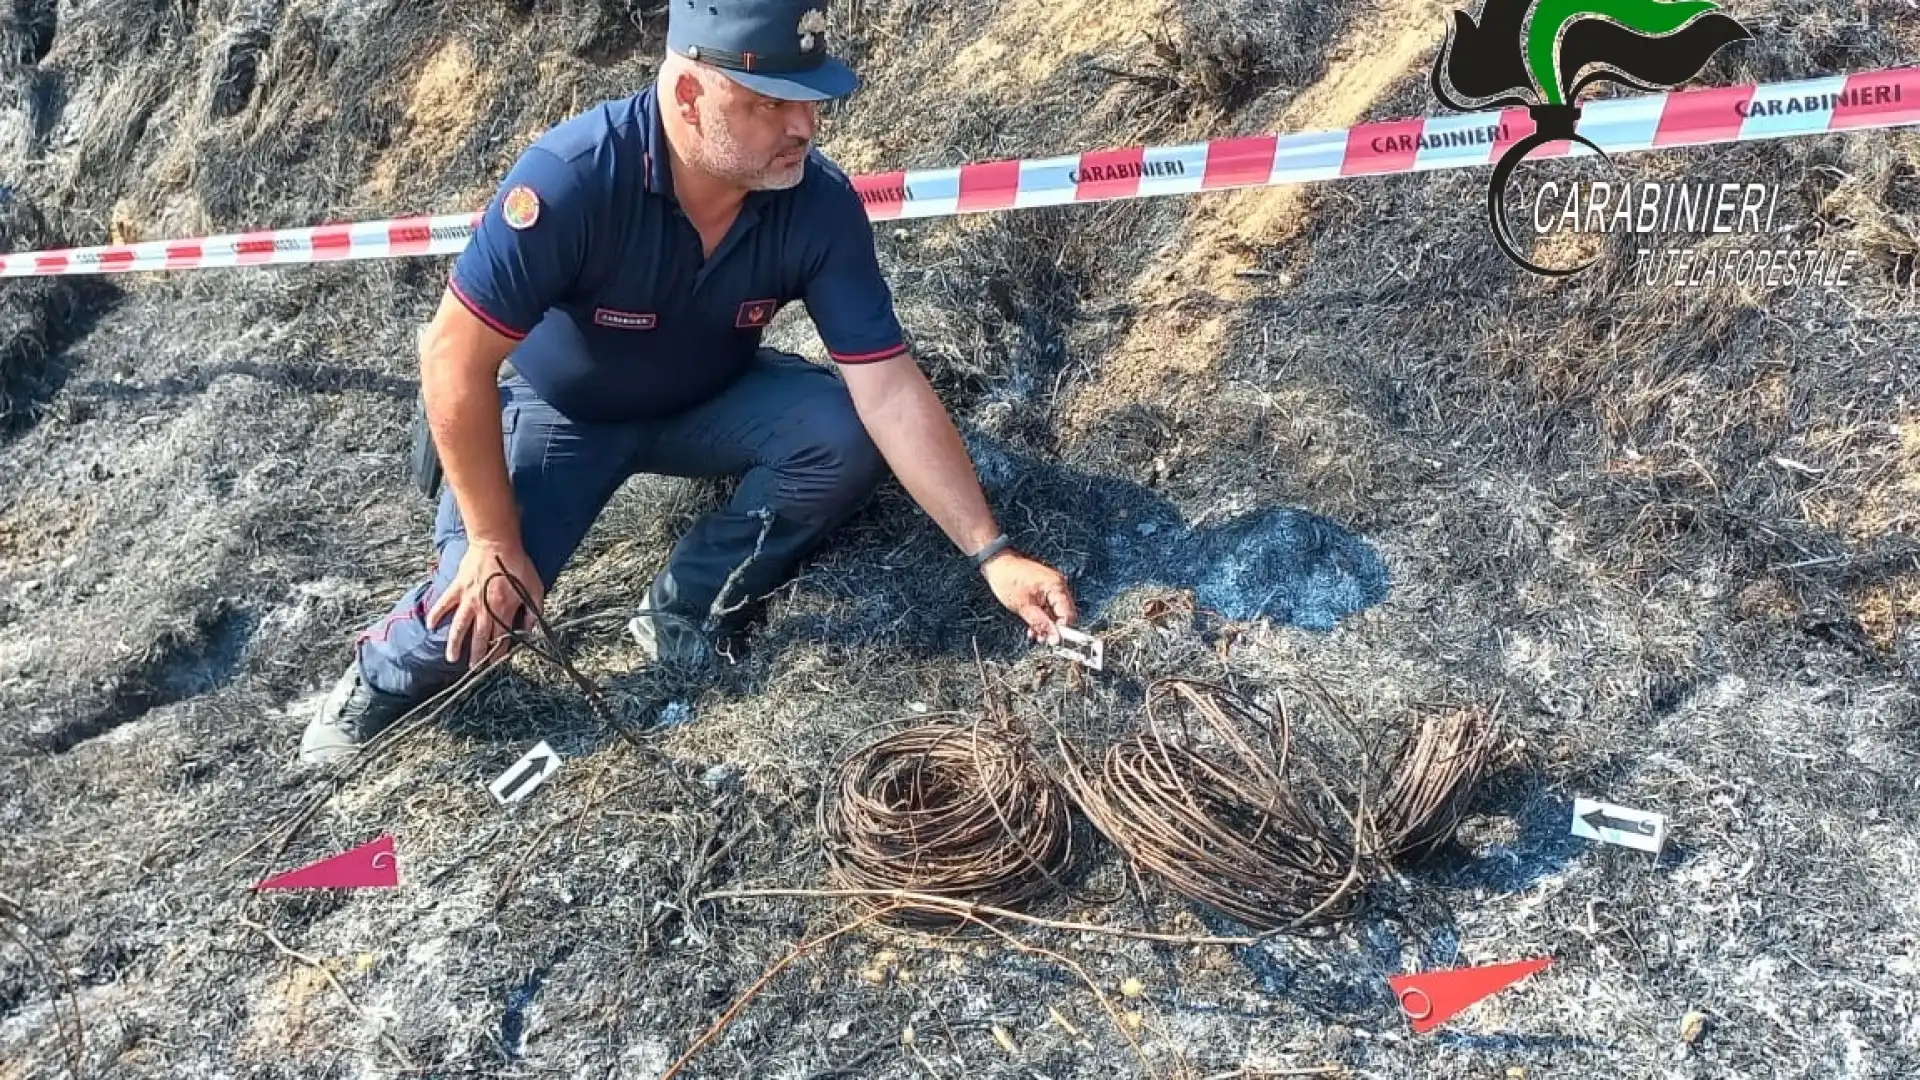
1733, 114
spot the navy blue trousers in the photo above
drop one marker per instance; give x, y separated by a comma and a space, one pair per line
786, 428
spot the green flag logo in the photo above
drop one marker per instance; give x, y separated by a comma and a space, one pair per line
1539, 54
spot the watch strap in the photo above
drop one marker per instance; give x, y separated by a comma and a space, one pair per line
993, 547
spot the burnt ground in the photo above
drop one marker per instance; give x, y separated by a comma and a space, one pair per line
1675, 534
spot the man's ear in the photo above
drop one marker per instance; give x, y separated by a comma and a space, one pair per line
686, 96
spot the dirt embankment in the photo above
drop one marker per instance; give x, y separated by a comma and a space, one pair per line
1327, 431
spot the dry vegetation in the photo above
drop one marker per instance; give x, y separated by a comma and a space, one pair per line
1324, 432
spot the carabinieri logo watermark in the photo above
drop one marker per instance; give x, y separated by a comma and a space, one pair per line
1539, 54
1648, 209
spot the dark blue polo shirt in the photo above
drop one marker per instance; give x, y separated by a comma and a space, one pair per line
585, 255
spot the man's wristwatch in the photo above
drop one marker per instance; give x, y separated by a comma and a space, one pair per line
993, 547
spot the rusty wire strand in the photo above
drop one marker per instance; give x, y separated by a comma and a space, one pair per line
542, 638
68, 1023
1213, 800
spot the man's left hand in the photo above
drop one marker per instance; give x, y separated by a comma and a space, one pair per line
1034, 591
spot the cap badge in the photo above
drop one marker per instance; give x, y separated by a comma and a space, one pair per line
812, 24
521, 207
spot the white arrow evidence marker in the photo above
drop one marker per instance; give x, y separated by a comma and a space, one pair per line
1092, 651
1621, 825
526, 774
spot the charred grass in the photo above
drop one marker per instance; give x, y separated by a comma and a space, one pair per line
1673, 531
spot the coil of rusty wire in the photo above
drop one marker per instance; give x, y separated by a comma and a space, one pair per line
1219, 819
964, 812
1429, 781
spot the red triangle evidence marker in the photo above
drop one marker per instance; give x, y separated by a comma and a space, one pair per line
1434, 997
370, 866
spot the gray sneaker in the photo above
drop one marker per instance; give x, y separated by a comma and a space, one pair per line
352, 713
666, 632
671, 639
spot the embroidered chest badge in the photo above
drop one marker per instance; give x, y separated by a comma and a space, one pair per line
755, 314
625, 320
521, 207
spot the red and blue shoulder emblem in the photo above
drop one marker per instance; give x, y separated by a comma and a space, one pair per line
521, 207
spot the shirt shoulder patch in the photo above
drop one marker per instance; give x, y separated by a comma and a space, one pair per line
521, 208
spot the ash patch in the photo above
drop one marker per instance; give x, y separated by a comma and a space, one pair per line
1297, 568
1289, 565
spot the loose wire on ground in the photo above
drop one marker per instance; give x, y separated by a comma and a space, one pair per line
69, 1024
1224, 801
542, 639
1215, 802
942, 823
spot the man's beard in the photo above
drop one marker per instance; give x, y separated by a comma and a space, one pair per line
723, 157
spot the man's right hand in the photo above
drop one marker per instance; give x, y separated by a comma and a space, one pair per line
479, 593
460, 358
1034, 591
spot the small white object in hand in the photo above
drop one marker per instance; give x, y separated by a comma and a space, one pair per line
1092, 652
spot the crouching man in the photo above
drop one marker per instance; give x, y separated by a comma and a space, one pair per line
627, 267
